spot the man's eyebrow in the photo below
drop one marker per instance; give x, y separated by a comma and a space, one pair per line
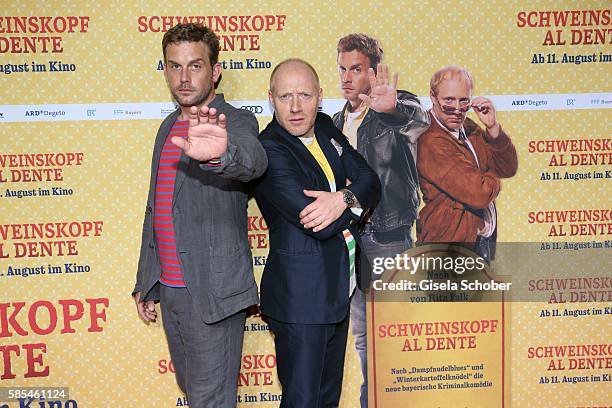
189, 62
356, 66
352, 66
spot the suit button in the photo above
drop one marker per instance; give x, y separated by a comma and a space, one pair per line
151, 245
150, 209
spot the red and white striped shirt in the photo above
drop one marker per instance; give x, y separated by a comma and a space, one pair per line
171, 275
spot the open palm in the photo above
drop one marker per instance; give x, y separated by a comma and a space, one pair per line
207, 136
383, 92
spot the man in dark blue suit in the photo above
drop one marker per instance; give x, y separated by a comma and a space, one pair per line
312, 196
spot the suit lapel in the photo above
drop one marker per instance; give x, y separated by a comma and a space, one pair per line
302, 156
333, 158
325, 131
307, 161
181, 173
182, 167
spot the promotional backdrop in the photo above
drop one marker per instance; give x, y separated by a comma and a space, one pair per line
83, 94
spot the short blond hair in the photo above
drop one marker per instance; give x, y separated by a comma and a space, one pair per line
448, 72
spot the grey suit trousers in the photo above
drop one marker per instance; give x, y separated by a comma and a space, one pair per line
206, 357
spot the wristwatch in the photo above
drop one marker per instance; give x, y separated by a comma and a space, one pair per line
348, 197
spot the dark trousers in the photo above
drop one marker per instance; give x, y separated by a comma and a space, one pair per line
206, 357
310, 362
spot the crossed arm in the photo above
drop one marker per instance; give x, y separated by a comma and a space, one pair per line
321, 214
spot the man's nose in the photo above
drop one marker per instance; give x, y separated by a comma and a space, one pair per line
185, 76
296, 104
346, 76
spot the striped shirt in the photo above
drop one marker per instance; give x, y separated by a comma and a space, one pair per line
171, 275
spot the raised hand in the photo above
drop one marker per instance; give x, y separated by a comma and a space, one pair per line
207, 137
383, 94
486, 113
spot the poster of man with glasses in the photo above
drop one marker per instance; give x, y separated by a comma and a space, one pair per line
460, 165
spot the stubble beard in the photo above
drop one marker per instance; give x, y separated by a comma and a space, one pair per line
193, 100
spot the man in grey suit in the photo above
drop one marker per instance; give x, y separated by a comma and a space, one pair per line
195, 257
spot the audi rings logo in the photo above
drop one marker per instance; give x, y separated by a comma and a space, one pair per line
253, 108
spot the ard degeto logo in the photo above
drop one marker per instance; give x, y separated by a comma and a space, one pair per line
46, 113
253, 108
1, 117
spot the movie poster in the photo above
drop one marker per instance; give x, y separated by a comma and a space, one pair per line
83, 94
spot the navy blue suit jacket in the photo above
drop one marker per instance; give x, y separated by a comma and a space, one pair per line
306, 277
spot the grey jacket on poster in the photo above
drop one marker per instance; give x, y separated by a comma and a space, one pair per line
388, 143
209, 211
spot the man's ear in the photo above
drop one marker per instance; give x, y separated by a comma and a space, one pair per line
216, 72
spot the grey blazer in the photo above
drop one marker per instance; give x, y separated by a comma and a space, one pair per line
209, 212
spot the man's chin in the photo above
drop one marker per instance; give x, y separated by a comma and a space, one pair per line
453, 124
297, 131
188, 102
350, 96
183, 103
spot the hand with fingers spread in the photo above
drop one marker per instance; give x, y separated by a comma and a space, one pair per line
146, 310
207, 137
383, 94
486, 113
325, 209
